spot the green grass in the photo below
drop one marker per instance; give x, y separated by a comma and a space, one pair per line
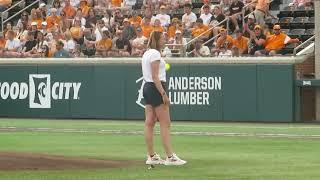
209, 157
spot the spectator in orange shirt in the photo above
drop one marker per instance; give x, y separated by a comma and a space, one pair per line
261, 11
174, 26
135, 19
241, 42
116, 3
146, 27
84, 7
4, 4
276, 42
223, 39
69, 11
157, 26
104, 45
200, 28
53, 19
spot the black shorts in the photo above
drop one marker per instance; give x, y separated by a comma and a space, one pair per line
151, 94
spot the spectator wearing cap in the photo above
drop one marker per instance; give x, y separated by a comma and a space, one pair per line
84, 7
122, 46
157, 26
200, 50
60, 51
241, 43
236, 13
43, 28
163, 17
129, 3
4, 4
200, 30
257, 40
249, 25
34, 26
222, 40
174, 26
189, 18
179, 42
276, 42
146, 27
53, 20
139, 43
57, 5
261, 11
128, 30
206, 15
69, 10
43, 9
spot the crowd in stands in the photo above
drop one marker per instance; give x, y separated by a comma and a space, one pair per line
116, 28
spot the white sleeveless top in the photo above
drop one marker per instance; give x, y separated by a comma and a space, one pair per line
148, 57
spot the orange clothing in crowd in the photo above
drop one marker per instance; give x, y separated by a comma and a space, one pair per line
146, 30
199, 30
116, 3
69, 11
263, 5
75, 32
158, 28
221, 41
172, 31
2, 43
275, 42
241, 44
135, 21
52, 20
85, 10
38, 21
104, 43
5, 3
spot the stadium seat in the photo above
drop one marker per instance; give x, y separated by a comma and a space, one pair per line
299, 12
286, 12
308, 34
310, 23
286, 31
285, 22
299, 22
296, 33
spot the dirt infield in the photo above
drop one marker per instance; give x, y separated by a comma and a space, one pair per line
28, 161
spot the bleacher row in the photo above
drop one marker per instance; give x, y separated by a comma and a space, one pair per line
296, 22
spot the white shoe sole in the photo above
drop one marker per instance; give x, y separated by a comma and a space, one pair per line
175, 163
154, 162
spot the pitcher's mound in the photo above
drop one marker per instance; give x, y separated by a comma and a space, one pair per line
29, 161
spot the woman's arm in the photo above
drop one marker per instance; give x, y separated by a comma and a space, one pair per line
155, 76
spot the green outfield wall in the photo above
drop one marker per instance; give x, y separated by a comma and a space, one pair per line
252, 91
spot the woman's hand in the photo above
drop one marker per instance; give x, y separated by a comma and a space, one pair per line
165, 99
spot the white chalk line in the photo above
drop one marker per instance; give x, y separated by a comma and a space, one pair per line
189, 133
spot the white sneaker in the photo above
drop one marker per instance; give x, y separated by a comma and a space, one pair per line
174, 160
154, 160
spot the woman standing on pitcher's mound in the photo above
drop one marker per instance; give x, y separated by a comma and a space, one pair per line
157, 101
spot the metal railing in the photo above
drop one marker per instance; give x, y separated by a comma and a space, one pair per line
7, 11
302, 44
210, 29
18, 13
